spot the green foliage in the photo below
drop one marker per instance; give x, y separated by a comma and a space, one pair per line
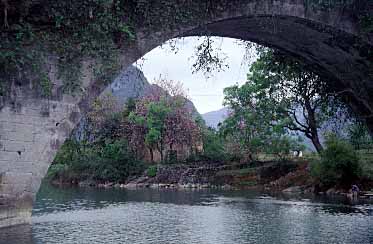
152, 171
105, 29
366, 160
136, 119
359, 136
153, 137
130, 107
366, 22
154, 121
157, 113
213, 146
339, 164
209, 58
282, 145
256, 122
58, 171
281, 95
46, 86
69, 30
106, 161
73, 31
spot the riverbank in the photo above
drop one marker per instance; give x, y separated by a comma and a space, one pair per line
290, 177
210, 175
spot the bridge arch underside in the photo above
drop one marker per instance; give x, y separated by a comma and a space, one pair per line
345, 60
33, 129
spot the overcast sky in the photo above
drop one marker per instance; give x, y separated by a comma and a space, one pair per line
206, 94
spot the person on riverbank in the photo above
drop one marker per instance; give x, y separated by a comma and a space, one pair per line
355, 191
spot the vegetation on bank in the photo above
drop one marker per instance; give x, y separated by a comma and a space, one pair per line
281, 103
116, 142
282, 100
104, 161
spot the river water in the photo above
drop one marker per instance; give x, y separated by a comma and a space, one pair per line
186, 217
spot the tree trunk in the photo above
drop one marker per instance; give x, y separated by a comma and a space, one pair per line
151, 155
171, 151
316, 143
161, 152
312, 123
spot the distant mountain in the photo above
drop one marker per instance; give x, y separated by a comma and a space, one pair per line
131, 83
213, 118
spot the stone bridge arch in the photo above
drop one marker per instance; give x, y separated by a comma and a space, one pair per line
329, 39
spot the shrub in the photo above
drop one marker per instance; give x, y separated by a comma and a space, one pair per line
109, 160
57, 171
339, 164
214, 148
152, 171
114, 162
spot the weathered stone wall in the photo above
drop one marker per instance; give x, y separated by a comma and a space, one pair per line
32, 128
29, 138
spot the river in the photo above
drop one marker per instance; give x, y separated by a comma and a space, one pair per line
76, 215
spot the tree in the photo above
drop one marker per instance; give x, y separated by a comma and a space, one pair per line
254, 132
173, 88
209, 57
163, 119
359, 136
182, 129
214, 147
281, 93
156, 124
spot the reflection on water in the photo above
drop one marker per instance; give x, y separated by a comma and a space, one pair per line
150, 216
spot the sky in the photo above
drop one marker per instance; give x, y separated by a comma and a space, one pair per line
205, 93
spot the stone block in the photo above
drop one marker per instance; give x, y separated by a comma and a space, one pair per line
22, 167
21, 135
4, 167
9, 156
16, 179
30, 156
13, 146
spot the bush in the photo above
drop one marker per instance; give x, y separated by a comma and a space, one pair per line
57, 171
110, 160
114, 162
339, 164
214, 149
152, 171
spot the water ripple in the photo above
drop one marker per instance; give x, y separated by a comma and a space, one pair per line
192, 217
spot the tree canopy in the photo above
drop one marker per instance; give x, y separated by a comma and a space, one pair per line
281, 95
